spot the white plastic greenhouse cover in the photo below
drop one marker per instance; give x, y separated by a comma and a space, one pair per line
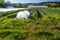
23, 14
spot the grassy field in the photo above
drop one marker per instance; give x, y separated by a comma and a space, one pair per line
37, 27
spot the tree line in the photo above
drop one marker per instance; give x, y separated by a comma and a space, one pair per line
4, 4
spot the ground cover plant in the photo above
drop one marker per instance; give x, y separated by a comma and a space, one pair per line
43, 24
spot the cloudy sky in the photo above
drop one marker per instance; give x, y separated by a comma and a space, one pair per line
28, 1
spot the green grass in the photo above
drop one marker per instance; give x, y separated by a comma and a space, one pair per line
33, 28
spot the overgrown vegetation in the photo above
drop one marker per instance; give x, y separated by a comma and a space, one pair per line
33, 28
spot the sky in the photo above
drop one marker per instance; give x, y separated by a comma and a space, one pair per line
29, 1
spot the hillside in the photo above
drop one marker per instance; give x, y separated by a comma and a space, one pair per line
50, 4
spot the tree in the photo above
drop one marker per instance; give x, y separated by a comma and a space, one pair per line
8, 3
2, 3
18, 5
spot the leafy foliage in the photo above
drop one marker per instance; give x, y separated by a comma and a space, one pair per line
33, 28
